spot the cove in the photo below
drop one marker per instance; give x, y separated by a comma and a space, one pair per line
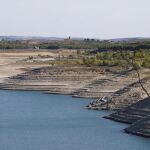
36, 121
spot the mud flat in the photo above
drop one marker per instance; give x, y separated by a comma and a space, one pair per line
12, 62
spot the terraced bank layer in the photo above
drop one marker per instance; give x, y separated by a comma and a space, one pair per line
127, 95
141, 128
138, 115
61, 80
132, 113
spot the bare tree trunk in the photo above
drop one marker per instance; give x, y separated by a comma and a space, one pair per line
139, 77
140, 82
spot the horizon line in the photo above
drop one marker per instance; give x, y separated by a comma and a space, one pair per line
75, 37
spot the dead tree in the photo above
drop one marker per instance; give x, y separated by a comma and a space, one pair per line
132, 64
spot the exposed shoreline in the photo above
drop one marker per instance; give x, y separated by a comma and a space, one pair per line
120, 88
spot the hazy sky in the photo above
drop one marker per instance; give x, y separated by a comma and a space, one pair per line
76, 18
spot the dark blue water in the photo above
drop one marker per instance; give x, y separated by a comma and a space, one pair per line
35, 121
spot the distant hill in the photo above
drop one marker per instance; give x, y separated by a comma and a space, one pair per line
134, 39
14, 38
42, 38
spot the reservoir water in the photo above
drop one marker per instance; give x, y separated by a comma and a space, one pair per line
36, 121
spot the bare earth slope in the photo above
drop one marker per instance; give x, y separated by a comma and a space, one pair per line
105, 86
12, 62
125, 96
62, 80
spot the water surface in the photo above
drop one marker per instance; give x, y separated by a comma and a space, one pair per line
36, 121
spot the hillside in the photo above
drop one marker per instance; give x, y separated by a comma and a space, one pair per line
128, 93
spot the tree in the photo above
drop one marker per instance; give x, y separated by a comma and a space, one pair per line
135, 61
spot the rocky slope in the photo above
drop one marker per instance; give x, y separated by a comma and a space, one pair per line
138, 115
141, 127
124, 97
105, 86
132, 113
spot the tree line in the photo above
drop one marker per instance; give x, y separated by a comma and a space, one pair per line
141, 58
94, 45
